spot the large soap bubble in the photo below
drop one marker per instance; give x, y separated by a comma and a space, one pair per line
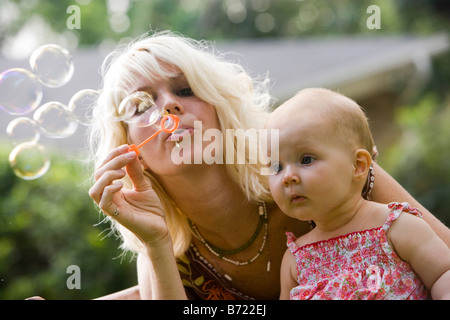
52, 64
82, 104
139, 109
23, 129
55, 120
29, 161
20, 91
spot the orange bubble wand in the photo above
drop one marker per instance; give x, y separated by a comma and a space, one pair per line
172, 125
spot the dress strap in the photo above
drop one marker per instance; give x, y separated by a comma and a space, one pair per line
292, 246
396, 209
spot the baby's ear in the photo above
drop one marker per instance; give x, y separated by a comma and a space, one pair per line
361, 164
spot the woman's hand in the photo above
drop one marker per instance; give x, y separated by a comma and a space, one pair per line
139, 210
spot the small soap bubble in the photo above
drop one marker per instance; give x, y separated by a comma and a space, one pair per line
20, 91
139, 109
168, 124
82, 104
52, 64
55, 120
29, 161
23, 129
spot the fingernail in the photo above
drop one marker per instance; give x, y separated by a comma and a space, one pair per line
124, 148
131, 155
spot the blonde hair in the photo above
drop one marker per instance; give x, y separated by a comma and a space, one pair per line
239, 100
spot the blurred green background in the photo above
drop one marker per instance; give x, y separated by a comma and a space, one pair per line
51, 223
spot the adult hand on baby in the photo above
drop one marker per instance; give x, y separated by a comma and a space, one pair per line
139, 210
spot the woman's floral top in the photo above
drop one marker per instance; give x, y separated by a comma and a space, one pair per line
358, 265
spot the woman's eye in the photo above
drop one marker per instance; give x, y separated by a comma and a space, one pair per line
185, 92
307, 160
142, 107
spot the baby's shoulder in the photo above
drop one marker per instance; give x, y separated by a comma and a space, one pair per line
374, 215
305, 239
397, 214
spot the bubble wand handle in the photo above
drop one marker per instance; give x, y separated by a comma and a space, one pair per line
174, 120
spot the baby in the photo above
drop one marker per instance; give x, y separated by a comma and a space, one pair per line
359, 249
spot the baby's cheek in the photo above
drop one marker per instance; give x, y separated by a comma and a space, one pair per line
276, 190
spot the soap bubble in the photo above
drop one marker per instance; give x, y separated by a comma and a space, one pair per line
23, 129
55, 120
20, 91
139, 109
168, 124
29, 161
82, 104
108, 98
52, 64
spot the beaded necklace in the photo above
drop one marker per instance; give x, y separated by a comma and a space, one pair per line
220, 252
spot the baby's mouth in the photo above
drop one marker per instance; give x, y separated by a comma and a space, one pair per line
295, 198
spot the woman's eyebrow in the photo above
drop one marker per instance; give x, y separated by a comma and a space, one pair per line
146, 89
177, 77
172, 79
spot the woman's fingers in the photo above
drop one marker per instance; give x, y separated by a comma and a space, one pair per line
106, 203
103, 181
116, 159
136, 174
115, 166
114, 153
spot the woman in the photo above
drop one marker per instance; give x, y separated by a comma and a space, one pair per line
202, 216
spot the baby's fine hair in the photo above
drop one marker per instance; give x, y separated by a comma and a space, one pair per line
347, 120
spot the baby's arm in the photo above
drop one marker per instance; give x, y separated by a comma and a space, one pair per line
416, 243
440, 289
288, 275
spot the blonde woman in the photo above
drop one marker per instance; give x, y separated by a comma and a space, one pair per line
201, 230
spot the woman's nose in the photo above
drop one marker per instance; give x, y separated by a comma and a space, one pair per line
290, 176
170, 103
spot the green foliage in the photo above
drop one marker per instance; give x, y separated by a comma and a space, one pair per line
230, 19
50, 223
419, 159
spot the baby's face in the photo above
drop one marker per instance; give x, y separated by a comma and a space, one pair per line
314, 171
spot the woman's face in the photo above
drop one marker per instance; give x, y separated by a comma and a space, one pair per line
174, 96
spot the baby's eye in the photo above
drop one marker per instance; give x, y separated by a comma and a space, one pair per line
307, 160
185, 92
276, 167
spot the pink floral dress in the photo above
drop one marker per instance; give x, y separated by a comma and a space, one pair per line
358, 265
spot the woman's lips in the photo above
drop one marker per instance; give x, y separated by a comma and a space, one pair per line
180, 134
